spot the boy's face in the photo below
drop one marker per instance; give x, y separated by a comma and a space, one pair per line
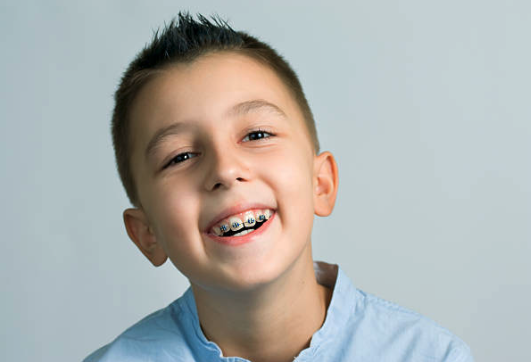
214, 139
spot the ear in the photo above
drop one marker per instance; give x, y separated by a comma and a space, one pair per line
142, 235
325, 183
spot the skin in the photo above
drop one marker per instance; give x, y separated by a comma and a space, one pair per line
267, 285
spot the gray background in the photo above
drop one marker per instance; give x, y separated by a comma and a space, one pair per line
426, 105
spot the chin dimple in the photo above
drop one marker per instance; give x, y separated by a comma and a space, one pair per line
242, 224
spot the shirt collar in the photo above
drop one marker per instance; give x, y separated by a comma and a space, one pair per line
342, 305
341, 308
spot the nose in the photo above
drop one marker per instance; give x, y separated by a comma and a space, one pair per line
225, 169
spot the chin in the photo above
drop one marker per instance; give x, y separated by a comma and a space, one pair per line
252, 275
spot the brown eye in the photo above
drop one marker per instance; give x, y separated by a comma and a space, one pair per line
257, 135
181, 157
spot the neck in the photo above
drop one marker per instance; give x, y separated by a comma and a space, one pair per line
273, 323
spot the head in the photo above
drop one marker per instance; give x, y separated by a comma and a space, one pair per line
211, 127
183, 41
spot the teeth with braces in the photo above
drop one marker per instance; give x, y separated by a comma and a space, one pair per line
224, 227
260, 217
217, 230
235, 223
249, 219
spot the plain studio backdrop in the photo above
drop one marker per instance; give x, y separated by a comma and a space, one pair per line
426, 105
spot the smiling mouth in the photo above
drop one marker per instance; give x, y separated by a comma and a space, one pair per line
246, 230
242, 224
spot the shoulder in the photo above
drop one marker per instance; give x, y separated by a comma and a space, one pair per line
402, 331
155, 336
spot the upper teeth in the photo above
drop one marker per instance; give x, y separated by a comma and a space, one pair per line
235, 223
249, 219
238, 221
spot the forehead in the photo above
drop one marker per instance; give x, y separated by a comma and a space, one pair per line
205, 90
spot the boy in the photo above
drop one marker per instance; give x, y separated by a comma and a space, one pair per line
217, 150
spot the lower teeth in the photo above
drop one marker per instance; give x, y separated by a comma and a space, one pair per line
243, 233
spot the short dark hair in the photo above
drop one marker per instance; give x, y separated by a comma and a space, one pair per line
184, 40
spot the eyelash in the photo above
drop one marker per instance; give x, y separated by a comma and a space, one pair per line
185, 156
258, 131
188, 155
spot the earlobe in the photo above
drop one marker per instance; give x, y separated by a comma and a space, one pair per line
142, 235
326, 182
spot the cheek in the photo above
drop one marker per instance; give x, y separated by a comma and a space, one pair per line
292, 169
290, 173
174, 209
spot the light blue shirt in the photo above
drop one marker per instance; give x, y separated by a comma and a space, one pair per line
359, 327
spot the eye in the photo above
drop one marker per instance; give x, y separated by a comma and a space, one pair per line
181, 157
257, 135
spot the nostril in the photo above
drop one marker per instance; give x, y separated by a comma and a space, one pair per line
224, 183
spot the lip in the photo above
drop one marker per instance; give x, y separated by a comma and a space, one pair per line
236, 209
240, 240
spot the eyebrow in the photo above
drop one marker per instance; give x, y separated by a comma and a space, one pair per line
239, 109
257, 104
161, 135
